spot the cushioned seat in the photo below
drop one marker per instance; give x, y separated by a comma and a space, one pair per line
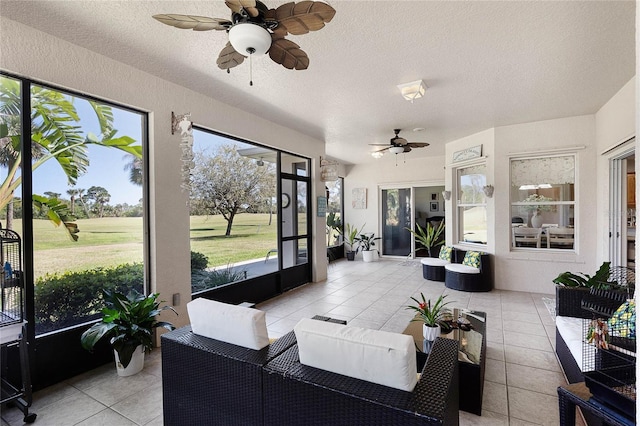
433, 267
474, 274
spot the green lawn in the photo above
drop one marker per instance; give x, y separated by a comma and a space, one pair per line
112, 241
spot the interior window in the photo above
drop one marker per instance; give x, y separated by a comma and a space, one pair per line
543, 202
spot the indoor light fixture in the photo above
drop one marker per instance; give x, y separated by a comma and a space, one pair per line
446, 195
396, 150
377, 154
260, 163
249, 39
413, 90
488, 190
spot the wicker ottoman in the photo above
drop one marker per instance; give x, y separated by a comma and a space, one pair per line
433, 268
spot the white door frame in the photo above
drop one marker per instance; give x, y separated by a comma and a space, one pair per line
617, 201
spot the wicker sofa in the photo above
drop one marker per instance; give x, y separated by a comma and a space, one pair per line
206, 381
466, 278
299, 394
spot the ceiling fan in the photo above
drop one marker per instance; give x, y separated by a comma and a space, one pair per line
255, 30
398, 145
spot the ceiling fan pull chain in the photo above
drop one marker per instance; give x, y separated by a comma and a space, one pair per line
251, 50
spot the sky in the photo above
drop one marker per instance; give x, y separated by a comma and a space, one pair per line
106, 167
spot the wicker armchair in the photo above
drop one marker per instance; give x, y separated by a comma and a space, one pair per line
209, 382
298, 394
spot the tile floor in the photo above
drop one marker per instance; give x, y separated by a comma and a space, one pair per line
521, 376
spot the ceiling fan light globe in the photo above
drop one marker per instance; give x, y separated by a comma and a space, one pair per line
247, 38
396, 149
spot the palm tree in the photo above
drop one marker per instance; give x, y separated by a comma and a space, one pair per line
134, 166
55, 134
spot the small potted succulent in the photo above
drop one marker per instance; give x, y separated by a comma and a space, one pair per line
129, 322
431, 315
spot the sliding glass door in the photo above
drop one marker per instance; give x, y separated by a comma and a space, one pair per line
396, 220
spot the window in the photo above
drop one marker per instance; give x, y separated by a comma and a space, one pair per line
472, 205
543, 198
86, 172
334, 212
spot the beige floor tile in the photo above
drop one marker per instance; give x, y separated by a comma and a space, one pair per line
527, 405
495, 351
68, 411
533, 318
541, 343
532, 358
524, 328
494, 398
488, 418
495, 371
108, 392
141, 407
106, 417
534, 379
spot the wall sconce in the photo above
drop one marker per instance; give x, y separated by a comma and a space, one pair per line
488, 190
446, 195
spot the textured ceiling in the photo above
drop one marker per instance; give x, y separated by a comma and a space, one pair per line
486, 63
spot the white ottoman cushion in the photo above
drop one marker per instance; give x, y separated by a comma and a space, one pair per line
462, 269
376, 356
570, 329
234, 324
434, 261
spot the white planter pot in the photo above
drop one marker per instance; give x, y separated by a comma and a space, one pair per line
536, 220
367, 255
135, 366
430, 333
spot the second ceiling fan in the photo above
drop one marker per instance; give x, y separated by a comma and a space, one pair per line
398, 145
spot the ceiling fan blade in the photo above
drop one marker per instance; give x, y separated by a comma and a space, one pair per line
407, 148
383, 149
238, 6
305, 16
191, 22
417, 144
288, 54
229, 57
398, 141
380, 144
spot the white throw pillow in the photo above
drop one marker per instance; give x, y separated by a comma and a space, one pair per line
241, 326
376, 356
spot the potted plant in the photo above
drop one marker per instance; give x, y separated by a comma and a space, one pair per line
129, 322
334, 229
350, 234
429, 237
367, 241
571, 288
431, 315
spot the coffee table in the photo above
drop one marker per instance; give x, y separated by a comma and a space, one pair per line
472, 349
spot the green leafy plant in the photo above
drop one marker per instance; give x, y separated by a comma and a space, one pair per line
204, 280
533, 198
430, 236
366, 241
129, 322
199, 261
334, 227
432, 314
350, 234
600, 280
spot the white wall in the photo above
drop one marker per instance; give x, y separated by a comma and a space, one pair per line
416, 171
37, 55
534, 271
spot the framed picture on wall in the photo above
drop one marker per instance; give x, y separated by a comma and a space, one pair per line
433, 206
434, 197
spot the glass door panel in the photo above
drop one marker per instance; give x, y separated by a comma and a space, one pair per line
396, 218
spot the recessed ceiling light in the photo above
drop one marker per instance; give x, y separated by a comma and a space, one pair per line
419, 129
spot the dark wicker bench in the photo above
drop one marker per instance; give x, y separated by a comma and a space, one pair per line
473, 282
209, 382
296, 394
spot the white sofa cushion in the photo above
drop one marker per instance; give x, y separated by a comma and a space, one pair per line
434, 261
241, 326
375, 356
463, 269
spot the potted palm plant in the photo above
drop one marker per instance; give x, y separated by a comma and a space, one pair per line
429, 237
367, 241
129, 322
350, 235
431, 315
